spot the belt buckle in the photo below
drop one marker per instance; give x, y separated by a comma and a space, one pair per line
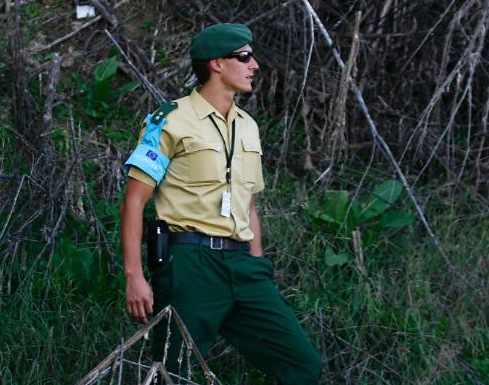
220, 243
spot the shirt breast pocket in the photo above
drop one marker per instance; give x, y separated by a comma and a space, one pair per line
204, 161
250, 159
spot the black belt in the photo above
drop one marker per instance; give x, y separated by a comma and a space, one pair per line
215, 243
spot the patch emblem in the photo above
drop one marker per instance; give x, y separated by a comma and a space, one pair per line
152, 155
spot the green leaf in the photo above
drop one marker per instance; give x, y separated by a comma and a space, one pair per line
126, 88
106, 69
396, 219
333, 259
383, 197
389, 191
336, 205
355, 214
326, 218
102, 91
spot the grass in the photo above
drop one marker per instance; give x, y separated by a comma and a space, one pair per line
401, 317
410, 319
54, 340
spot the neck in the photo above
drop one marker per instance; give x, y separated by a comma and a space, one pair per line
221, 99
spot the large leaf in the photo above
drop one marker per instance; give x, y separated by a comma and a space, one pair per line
355, 214
333, 259
396, 219
106, 69
336, 206
102, 91
382, 198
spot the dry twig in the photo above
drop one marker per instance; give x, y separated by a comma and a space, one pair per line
106, 12
51, 92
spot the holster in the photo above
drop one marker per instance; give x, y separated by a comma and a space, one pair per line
158, 246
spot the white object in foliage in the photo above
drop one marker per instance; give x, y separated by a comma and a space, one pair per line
84, 11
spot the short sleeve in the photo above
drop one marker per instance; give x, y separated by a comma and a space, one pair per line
141, 176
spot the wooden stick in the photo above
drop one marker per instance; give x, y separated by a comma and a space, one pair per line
47, 118
9, 217
211, 378
95, 372
106, 12
151, 373
359, 256
166, 376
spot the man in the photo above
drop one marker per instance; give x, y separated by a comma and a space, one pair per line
217, 278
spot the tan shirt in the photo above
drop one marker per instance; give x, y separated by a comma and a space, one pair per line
189, 197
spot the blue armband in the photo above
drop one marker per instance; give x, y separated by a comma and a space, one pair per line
147, 155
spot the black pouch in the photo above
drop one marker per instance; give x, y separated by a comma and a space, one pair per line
158, 246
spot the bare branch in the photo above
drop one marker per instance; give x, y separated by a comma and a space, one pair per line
51, 92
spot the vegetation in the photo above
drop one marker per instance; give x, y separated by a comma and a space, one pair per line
385, 302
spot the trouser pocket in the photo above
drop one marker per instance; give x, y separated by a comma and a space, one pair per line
162, 284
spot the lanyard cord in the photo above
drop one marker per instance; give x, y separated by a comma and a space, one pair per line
229, 155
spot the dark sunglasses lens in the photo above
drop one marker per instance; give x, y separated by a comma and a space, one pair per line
244, 57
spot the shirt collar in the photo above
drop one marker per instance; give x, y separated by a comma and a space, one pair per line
203, 108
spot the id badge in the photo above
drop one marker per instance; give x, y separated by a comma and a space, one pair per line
226, 204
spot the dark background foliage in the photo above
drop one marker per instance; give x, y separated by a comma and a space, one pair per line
385, 301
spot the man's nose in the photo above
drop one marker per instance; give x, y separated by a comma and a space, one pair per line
254, 64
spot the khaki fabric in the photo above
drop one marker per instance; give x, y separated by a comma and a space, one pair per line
189, 198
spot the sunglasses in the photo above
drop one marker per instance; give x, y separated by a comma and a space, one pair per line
242, 56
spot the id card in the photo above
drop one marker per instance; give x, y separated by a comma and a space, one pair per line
226, 204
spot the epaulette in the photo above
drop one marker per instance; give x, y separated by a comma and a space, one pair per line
162, 111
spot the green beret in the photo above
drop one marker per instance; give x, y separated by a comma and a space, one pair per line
219, 40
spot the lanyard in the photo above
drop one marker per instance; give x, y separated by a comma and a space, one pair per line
229, 155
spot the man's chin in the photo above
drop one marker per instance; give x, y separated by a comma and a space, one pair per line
246, 89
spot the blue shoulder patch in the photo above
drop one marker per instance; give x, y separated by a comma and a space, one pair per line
147, 155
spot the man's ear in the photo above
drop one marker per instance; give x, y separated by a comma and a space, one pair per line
215, 65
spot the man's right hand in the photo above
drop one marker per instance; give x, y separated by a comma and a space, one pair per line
139, 298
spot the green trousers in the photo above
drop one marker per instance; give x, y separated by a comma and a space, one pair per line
232, 293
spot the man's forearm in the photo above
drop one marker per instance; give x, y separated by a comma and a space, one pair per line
139, 296
131, 237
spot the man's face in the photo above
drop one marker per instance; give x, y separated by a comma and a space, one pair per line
238, 72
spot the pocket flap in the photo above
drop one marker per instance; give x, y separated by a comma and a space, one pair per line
251, 145
191, 145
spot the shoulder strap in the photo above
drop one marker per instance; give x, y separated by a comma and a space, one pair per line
162, 111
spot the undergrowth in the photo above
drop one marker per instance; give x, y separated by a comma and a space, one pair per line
403, 317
